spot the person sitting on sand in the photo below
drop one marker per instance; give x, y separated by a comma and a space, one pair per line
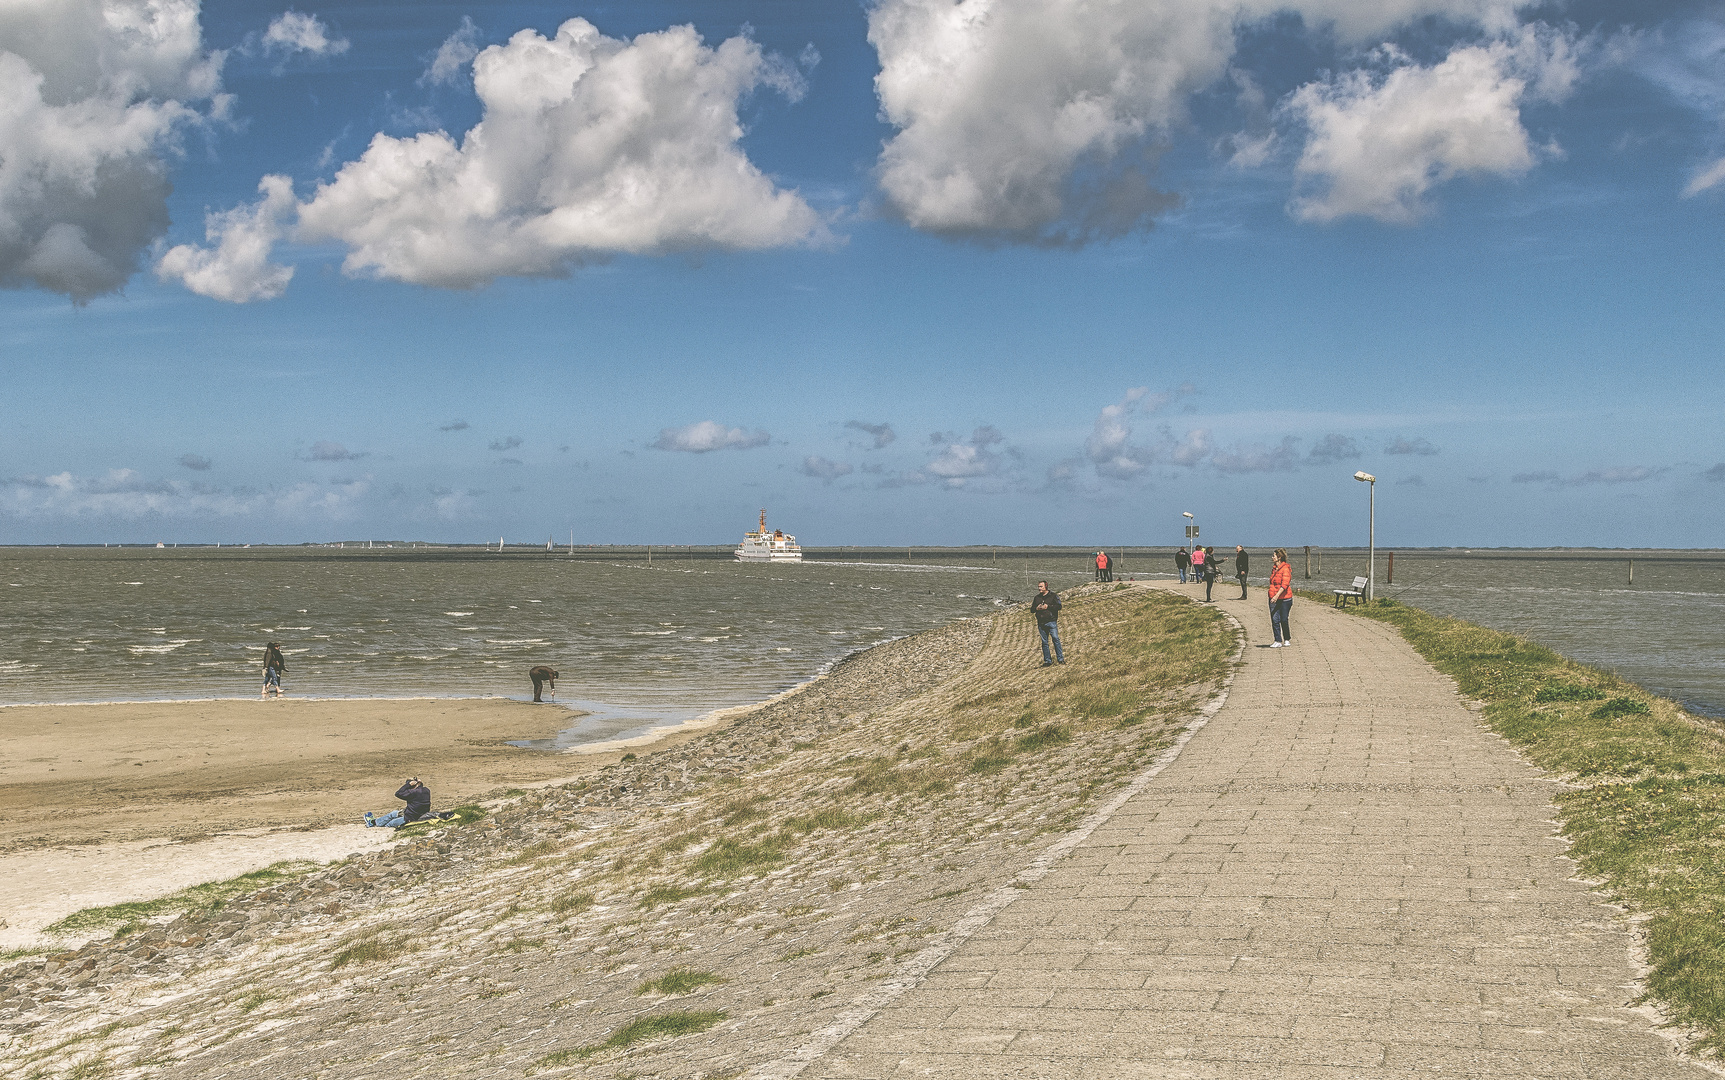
274, 665
540, 676
418, 799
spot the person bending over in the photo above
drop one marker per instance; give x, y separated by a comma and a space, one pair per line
1046, 607
542, 676
418, 799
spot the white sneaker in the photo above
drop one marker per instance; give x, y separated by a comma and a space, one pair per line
1275, 645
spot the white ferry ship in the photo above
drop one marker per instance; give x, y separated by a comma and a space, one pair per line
764, 546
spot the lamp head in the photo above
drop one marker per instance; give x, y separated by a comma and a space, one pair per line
1185, 514
1365, 477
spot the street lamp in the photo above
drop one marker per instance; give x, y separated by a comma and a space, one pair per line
1187, 514
1371, 532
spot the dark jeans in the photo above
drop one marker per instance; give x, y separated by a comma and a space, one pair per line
1050, 630
1279, 611
1182, 575
1209, 583
1242, 576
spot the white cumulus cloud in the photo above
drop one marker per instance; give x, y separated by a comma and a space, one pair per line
1380, 139
1038, 120
588, 147
295, 31
238, 268
709, 435
94, 97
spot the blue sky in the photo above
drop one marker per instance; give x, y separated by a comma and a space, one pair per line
1020, 272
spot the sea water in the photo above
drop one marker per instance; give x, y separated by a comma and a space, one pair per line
638, 645
642, 644
1665, 630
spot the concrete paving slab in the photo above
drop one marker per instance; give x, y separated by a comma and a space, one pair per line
1343, 875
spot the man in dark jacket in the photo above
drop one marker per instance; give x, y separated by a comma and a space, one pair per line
1045, 606
1181, 562
418, 799
540, 676
1242, 565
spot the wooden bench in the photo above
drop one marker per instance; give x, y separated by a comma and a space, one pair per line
1356, 592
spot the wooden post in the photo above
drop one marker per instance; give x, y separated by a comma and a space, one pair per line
1631, 571
1390, 575
1308, 562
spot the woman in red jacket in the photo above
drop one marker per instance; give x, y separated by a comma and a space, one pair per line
1281, 598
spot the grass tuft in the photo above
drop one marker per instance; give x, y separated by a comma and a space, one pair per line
731, 857
660, 1026
668, 894
679, 981
571, 903
195, 900
371, 949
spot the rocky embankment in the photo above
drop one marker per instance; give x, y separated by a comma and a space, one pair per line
692, 912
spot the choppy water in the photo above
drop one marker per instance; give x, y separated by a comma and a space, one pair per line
642, 645
1666, 631
637, 645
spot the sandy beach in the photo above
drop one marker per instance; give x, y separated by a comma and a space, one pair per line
116, 773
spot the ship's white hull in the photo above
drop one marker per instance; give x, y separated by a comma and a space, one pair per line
752, 551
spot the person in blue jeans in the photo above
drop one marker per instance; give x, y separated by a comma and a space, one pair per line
418, 799
1045, 606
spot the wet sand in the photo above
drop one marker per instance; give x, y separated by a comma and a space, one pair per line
104, 774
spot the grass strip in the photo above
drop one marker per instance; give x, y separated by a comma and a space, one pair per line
210, 896
1649, 818
658, 1026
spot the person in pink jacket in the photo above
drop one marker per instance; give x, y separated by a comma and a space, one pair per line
1281, 598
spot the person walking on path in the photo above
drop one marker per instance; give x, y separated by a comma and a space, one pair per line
1281, 599
1181, 562
274, 666
1242, 566
1101, 565
1212, 571
540, 676
1046, 607
1197, 563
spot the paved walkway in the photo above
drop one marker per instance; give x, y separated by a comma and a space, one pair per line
1343, 875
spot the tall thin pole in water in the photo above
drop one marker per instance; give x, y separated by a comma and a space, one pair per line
1631, 571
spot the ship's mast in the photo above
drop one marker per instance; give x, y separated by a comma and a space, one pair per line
763, 521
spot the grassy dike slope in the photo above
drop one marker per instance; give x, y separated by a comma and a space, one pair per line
688, 913
1643, 802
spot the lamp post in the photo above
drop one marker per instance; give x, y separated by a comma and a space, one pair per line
1371, 532
1193, 522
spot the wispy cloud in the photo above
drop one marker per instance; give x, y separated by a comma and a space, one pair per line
1404, 445
509, 443
325, 450
1333, 448
453, 425
1716, 473
196, 462
454, 54
1250, 459
881, 434
296, 32
124, 494
708, 435
822, 469
1622, 474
